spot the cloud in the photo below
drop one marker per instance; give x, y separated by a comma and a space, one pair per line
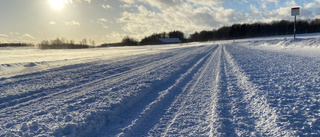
283, 12
207, 2
3, 35
266, 4
28, 36
16, 37
4, 40
273, 1
14, 33
290, 3
103, 22
163, 3
105, 6
52, 23
128, 1
311, 5
89, 1
113, 37
306, 14
72, 23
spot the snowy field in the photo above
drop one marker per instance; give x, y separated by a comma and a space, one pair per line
250, 87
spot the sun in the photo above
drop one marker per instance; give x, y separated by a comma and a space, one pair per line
57, 4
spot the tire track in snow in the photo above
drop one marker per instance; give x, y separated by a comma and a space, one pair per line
223, 100
54, 90
291, 85
190, 95
152, 112
190, 113
264, 115
229, 114
207, 106
63, 78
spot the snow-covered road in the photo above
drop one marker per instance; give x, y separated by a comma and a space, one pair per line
221, 89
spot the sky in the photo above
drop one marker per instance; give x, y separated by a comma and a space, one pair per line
108, 21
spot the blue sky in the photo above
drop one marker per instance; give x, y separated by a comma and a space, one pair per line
106, 21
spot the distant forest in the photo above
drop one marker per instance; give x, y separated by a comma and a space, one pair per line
14, 45
259, 29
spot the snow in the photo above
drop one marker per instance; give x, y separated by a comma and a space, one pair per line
250, 87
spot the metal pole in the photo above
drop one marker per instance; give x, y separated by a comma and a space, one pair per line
294, 31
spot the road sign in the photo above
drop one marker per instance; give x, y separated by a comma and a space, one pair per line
295, 11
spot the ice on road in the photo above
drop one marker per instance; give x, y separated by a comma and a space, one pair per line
244, 88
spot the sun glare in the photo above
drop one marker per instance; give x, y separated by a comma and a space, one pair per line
57, 4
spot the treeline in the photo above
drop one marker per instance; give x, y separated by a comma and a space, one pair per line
259, 29
126, 41
14, 45
154, 38
62, 43
148, 40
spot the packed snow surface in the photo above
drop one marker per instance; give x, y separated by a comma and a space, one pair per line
251, 87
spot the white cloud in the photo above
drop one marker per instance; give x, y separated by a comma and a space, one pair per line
306, 14
311, 5
28, 36
14, 33
106, 6
273, 1
254, 9
3, 35
72, 23
89, 1
207, 2
282, 13
113, 37
163, 3
128, 1
264, 3
103, 22
4, 40
290, 3
52, 23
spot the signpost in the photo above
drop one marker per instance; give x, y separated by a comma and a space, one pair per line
294, 12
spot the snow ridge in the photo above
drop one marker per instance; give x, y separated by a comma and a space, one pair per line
288, 85
266, 116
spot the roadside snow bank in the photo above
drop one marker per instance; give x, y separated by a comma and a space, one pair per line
305, 46
22, 60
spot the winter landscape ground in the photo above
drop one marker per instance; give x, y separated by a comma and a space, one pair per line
250, 87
